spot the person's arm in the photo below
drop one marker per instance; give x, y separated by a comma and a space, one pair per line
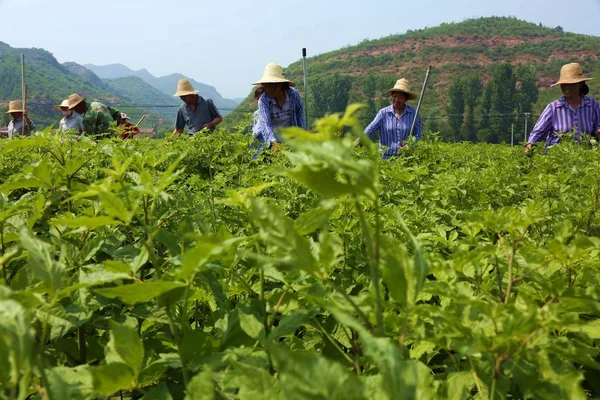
179, 123
264, 120
375, 125
418, 128
217, 119
301, 117
542, 126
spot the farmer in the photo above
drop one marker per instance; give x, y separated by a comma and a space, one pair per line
96, 116
126, 129
574, 111
15, 127
196, 112
70, 120
256, 132
394, 121
279, 106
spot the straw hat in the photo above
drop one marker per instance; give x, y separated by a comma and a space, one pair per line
64, 104
184, 88
14, 106
273, 74
403, 86
73, 100
124, 116
571, 73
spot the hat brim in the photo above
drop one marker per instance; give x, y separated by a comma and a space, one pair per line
12, 111
59, 107
571, 81
185, 93
411, 95
273, 80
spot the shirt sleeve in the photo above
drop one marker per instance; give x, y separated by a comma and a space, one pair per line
375, 125
542, 126
418, 128
179, 121
213, 109
264, 120
300, 110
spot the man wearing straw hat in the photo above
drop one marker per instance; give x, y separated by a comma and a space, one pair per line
96, 116
196, 112
394, 121
15, 127
279, 106
71, 121
573, 112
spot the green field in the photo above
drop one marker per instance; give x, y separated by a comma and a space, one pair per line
183, 268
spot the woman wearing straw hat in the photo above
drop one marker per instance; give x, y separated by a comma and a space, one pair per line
196, 112
71, 121
97, 117
572, 112
15, 127
280, 106
394, 121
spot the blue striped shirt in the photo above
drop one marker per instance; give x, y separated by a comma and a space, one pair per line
560, 117
268, 111
394, 130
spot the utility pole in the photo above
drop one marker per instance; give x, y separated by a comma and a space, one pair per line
526, 119
512, 134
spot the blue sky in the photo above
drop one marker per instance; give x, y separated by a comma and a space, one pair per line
227, 43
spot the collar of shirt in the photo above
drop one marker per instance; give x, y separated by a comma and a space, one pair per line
199, 100
273, 101
585, 102
407, 109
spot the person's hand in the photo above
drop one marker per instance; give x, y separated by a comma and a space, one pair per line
274, 147
24, 113
528, 147
206, 126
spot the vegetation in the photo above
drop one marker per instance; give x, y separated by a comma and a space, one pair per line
184, 268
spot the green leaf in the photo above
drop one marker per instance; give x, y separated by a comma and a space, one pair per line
290, 323
89, 223
160, 392
125, 346
139, 292
306, 375
313, 219
16, 342
41, 261
459, 385
251, 324
110, 378
201, 387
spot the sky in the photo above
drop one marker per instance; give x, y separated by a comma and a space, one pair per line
227, 43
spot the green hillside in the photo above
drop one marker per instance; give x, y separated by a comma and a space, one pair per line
49, 82
475, 46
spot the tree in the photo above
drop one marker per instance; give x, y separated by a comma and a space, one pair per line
527, 93
484, 133
472, 89
456, 108
502, 102
329, 94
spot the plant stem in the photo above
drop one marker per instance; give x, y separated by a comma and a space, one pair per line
81, 339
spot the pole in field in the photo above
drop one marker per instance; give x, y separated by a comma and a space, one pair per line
526, 118
305, 87
412, 127
512, 134
23, 95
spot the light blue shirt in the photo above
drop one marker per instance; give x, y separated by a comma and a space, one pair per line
393, 129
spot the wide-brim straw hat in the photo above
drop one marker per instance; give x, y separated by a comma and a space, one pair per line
403, 86
73, 100
184, 88
273, 73
64, 104
14, 106
571, 73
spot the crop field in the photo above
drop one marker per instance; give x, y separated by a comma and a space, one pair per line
185, 269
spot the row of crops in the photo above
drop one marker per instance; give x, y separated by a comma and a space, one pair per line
184, 268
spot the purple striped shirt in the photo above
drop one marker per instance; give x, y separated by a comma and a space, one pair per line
393, 130
560, 117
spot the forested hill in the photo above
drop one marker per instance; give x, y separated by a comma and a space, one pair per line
466, 53
49, 82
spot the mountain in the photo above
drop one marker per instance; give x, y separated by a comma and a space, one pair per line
166, 84
453, 50
49, 82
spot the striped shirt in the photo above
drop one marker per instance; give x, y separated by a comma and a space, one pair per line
560, 117
394, 130
271, 116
